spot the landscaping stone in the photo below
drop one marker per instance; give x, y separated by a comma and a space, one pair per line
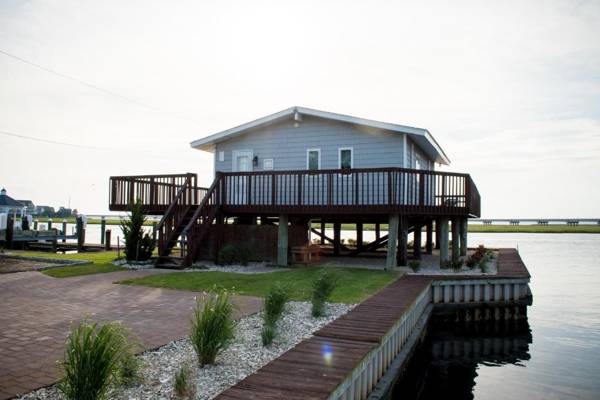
245, 356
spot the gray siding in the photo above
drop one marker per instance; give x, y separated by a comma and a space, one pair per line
287, 145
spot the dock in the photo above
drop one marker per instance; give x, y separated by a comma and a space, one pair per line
350, 357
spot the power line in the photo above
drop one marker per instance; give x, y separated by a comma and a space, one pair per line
95, 87
36, 139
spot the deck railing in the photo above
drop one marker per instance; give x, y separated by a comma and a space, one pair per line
156, 192
352, 190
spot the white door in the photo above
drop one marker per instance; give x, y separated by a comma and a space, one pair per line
242, 162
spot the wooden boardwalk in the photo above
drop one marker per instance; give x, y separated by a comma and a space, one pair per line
317, 366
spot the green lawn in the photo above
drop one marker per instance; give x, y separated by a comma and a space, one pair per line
100, 263
354, 284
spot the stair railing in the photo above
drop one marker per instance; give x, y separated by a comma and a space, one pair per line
174, 215
203, 218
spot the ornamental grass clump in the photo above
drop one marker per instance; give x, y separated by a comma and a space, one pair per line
212, 326
275, 302
93, 360
323, 286
183, 385
415, 265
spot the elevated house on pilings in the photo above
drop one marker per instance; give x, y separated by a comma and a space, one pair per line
279, 176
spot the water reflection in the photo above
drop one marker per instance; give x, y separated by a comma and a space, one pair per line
447, 363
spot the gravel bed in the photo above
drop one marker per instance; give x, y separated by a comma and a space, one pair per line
137, 265
251, 268
245, 356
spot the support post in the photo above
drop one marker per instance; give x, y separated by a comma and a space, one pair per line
417, 240
429, 244
107, 240
455, 239
390, 262
282, 241
402, 257
64, 229
102, 229
438, 222
359, 235
442, 229
322, 232
464, 228
154, 231
35, 224
377, 231
49, 223
337, 241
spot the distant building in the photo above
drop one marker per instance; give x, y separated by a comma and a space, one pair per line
8, 204
44, 210
28, 204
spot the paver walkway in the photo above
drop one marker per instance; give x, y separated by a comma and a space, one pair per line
36, 312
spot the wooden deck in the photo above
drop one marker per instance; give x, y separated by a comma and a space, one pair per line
318, 366
368, 191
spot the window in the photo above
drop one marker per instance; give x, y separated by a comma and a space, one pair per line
221, 156
313, 159
346, 158
268, 164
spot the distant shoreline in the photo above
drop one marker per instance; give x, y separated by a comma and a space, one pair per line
477, 228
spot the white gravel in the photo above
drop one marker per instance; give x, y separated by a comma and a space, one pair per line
251, 268
134, 265
242, 358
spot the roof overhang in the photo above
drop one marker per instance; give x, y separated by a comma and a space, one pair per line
422, 137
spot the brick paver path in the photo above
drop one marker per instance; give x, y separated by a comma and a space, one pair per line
36, 312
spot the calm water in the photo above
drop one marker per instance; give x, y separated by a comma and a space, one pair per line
563, 359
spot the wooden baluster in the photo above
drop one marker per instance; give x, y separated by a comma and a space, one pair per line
300, 180
421, 189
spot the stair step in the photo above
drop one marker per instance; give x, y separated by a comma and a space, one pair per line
169, 262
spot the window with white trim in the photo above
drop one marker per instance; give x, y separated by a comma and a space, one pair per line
313, 159
345, 158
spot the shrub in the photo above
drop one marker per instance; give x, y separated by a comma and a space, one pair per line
483, 266
92, 361
267, 334
323, 286
182, 384
227, 255
212, 326
275, 303
246, 254
138, 244
456, 265
351, 242
415, 265
129, 371
475, 259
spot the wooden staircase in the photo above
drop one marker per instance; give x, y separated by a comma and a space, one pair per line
187, 224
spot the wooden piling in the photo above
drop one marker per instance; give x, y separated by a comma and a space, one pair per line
417, 240
402, 258
337, 241
102, 229
429, 237
107, 240
64, 229
282, 241
80, 234
10, 227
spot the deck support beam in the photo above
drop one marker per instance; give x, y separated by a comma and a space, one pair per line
322, 233
402, 241
390, 262
282, 241
359, 235
455, 239
429, 243
378, 231
464, 228
442, 231
417, 240
337, 241
438, 222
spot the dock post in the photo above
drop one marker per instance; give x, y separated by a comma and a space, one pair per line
107, 240
35, 224
64, 229
102, 229
402, 258
392, 241
417, 240
438, 222
337, 227
49, 223
429, 244
455, 239
80, 234
442, 228
359, 235
464, 228
10, 226
282, 241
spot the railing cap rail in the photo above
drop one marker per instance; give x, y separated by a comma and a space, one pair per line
344, 172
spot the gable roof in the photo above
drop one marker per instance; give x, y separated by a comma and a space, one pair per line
421, 137
6, 200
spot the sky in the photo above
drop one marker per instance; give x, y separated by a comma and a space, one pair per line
511, 89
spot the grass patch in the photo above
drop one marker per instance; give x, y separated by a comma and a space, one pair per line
354, 284
101, 262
